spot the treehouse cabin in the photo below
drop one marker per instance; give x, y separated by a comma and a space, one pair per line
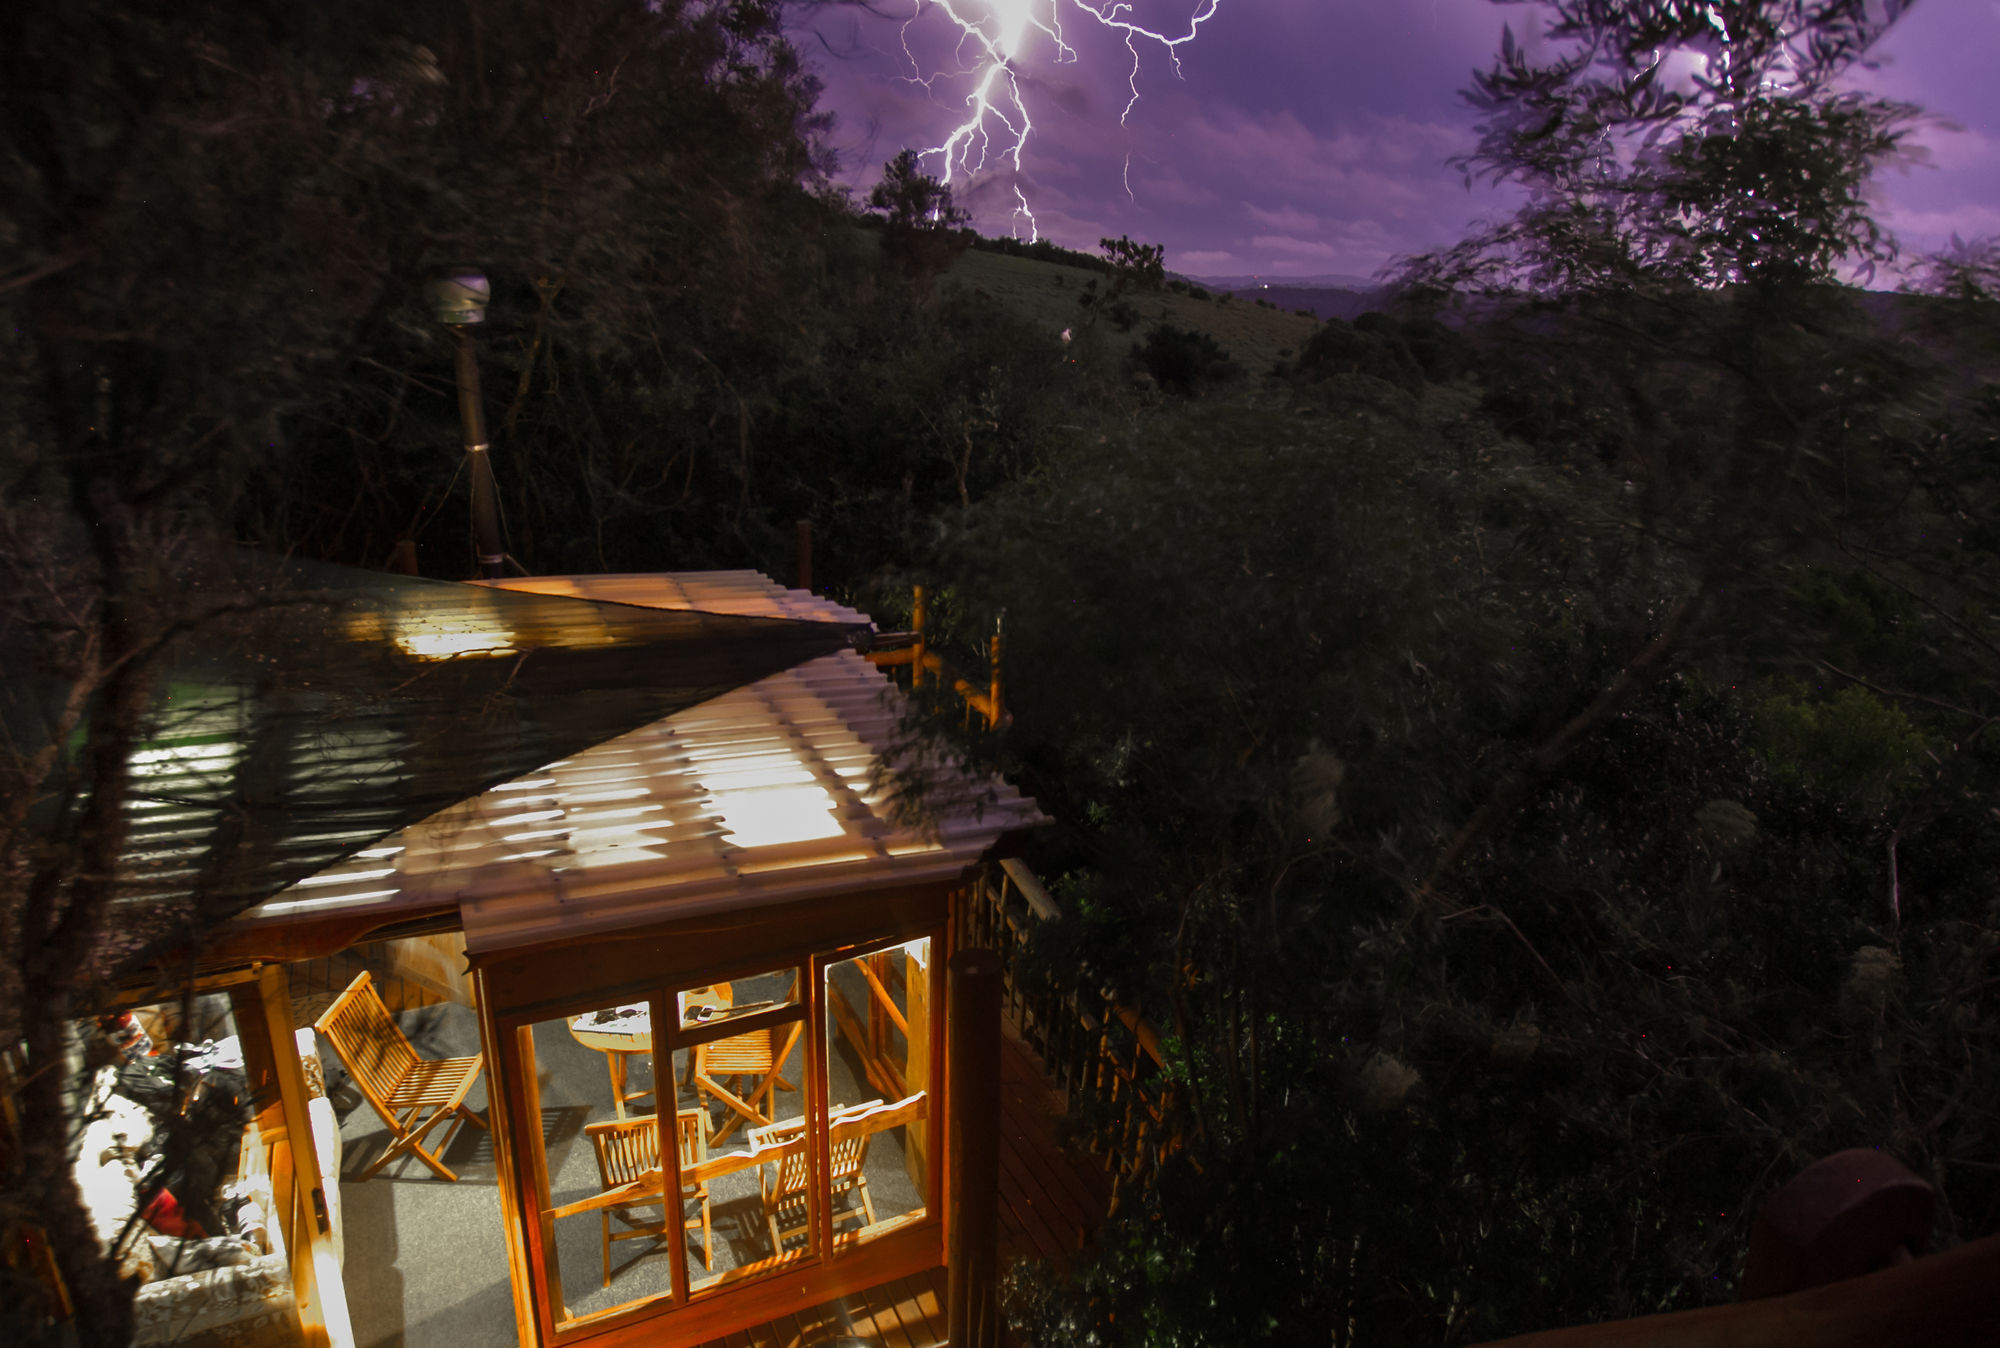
640, 1040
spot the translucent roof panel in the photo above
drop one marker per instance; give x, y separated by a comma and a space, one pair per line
755, 796
322, 709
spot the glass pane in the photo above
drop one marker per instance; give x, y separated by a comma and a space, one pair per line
720, 1001
168, 1099
741, 1117
605, 1226
878, 1080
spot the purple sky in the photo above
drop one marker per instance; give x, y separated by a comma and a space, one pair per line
1306, 137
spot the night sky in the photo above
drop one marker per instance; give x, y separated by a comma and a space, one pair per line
1305, 138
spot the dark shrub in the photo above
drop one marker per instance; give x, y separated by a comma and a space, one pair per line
1363, 347
1181, 360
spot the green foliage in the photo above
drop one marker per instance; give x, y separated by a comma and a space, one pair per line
1754, 171
909, 199
1848, 744
1041, 250
1139, 264
922, 222
1181, 360
1967, 271
1338, 348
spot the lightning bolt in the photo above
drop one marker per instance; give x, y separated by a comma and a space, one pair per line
991, 38
1034, 231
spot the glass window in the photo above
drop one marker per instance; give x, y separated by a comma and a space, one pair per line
741, 1120
604, 1211
878, 1040
166, 1099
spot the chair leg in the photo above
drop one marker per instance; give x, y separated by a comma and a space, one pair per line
707, 1233
604, 1219
410, 1140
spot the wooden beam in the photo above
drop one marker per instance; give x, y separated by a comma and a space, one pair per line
316, 1279
972, 1020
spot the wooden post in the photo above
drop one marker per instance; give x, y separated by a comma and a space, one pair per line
805, 549
917, 1060
972, 1150
917, 626
993, 706
316, 1278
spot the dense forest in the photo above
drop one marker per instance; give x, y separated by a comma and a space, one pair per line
1532, 751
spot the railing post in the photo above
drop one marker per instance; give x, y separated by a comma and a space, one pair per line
995, 709
973, 1148
917, 626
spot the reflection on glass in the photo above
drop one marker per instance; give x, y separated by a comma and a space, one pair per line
878, 1080
734, 1000
605, 1220
159, 1161
743, 1094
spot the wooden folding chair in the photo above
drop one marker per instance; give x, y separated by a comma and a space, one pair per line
783, 1180
629, 1149
758, 1057
412, 1094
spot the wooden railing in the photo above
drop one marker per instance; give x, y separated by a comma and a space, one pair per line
898, 649
1105, 1057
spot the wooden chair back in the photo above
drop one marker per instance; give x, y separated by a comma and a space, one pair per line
784, 1192
377, 1053
627, 1148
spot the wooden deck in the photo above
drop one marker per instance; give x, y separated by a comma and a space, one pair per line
1050, 1204
1050, 1201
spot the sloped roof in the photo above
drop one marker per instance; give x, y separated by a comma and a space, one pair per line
756, 796
749, 594
319, 708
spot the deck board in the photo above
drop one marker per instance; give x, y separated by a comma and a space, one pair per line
1050, 1201
1050, 1205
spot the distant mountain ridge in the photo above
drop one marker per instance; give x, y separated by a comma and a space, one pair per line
1327, 281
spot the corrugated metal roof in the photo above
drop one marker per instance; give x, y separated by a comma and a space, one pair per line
750, 594
321, 708
755, 796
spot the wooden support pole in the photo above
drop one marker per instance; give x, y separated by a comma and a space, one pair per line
917, 626
994, 707
316, 1276
972, 1149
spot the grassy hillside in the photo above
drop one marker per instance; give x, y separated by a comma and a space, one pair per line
1047, 294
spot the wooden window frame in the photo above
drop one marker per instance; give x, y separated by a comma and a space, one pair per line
830, 1268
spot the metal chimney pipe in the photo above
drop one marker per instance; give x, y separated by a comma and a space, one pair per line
459, 300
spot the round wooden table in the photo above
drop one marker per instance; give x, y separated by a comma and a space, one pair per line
629, 1030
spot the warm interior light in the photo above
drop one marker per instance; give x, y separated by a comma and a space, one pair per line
779, 814
446, 644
